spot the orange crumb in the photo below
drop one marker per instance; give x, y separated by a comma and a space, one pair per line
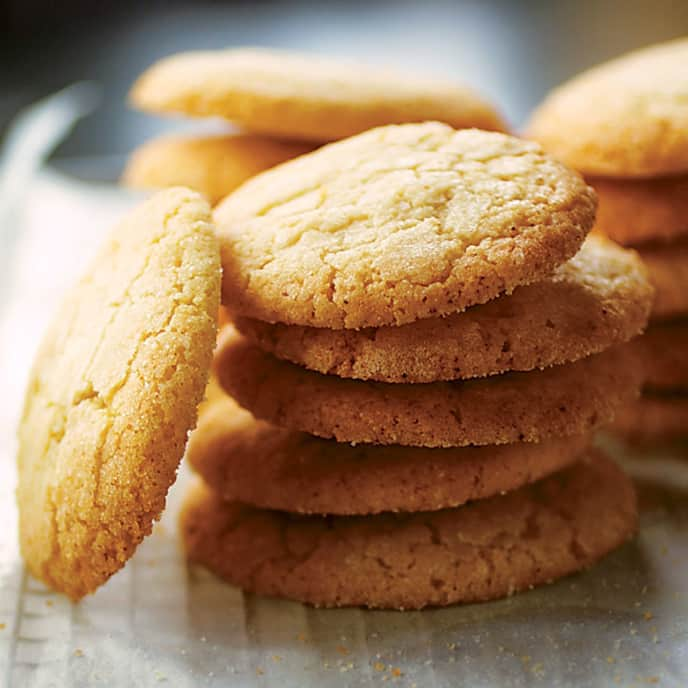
379, 666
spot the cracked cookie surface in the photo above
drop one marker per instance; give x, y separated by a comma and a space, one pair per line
211, 165
256, 463
113, 393
598, 298
624, 118
565, 400
397, 224
308, 97
484, 550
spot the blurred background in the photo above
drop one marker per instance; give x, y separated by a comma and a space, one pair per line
512, 51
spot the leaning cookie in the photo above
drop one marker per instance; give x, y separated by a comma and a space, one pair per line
485, 550
625, 118
309, 97
331, 239
564, 400
113, 393
637, 211
599, 298
256, 463
211, 165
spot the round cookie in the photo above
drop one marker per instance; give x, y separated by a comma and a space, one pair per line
599, 298
113, 393
565, 400
635, 211
211, 165
397, 224
256, 463
308, 97
654, 418
485, 550
624, 118
667, 267
664, 348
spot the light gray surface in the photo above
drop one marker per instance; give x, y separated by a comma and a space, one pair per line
160, 623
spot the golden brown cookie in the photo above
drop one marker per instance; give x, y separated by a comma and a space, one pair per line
667, 266
635, 211
113, 393
664, 348
624, 118
488, 549
397, 224
565, 400
309, 97
654, 418
251, 461
599, 298
211, 165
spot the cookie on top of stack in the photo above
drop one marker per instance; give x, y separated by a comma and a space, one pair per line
624, 125
284, 104
423, 343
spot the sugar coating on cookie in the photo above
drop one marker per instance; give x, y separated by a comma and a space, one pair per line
664, 351
654, 418
396, 224
667, 267
256, 463
624, 118
599, 298
113, 393
565, 400
485, 550
211, 165
309, 97
636, 211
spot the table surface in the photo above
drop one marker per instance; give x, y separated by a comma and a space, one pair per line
625, 622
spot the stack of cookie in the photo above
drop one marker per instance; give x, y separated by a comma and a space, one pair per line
418, 324
284, 104
625, 126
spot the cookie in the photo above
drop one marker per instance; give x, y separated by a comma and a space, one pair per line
212, 165
624, 118
485, 550
113, 393
598, 298
636, 211
564, 400
654, 418
251, 461
664, 348
303, 96
397, 224
667, 266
